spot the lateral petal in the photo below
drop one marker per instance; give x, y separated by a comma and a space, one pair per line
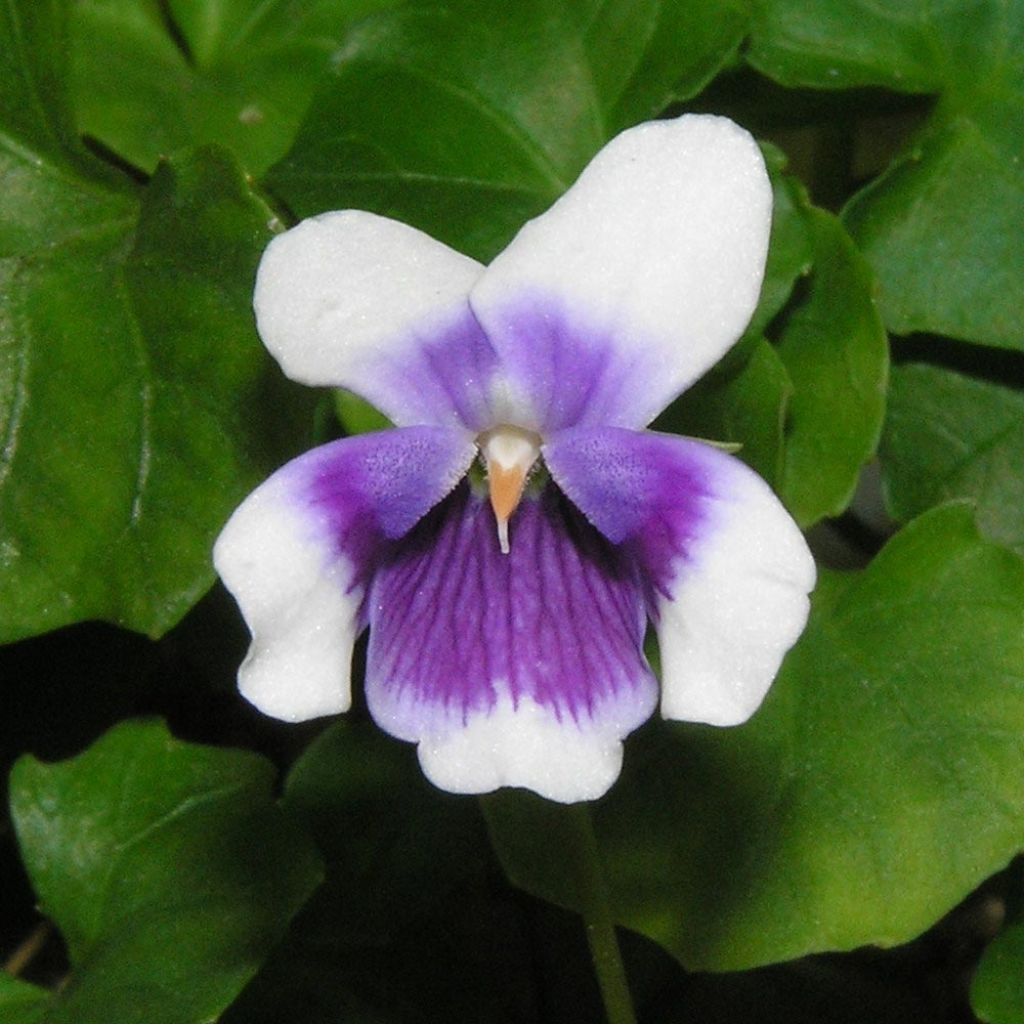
637, 280
727, 569
519, 669
298, 553
350, 299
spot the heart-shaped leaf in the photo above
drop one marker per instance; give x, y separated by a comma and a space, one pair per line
168, 867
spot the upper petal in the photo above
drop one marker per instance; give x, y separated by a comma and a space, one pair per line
728, 569
637, 280
519, 669
350, 299
298, 552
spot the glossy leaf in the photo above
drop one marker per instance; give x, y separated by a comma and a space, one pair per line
828, 45
948, 436
466, 118
128, 380
997, 991
169, 887
645, 54
836, 354
944, 226
872, 792
152, 80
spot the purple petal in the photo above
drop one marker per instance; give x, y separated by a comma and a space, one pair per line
298, 552
727, 570
443, 373
524, 669
563, 371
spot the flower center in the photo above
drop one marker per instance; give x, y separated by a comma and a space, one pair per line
509, 454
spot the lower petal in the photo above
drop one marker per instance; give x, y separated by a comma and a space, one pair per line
298, 552
519, 669
727, 569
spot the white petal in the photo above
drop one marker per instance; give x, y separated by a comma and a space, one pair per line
349, 299
656, 255
524, 745
737, 609
727, 569
302, 614
299, 552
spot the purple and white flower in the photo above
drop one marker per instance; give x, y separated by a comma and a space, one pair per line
508, 541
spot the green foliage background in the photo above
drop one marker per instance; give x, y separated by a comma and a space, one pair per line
198, 863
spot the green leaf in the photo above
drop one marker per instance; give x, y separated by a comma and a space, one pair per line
645, 54
21, 1003
357, 416
376, 818
34, 110
827, 45
167, 866
236, 72
129, 416
997, 991
791, 248
944, 226
948, 436
836, 353
466, 118
876, 787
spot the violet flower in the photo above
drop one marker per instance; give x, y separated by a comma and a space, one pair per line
508, 541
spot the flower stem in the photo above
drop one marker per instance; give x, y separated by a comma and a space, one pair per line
598, 921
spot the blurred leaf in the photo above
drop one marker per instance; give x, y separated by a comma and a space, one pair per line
944, 226
836, 353
152, 79
127, 388
997, 991
822, 44
465, 118
376, 818
357, 416
406, 926
21, 1003
814, 990
34, 111
876, 787
948, 436
168, 868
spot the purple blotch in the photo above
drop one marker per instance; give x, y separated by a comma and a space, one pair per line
560, 618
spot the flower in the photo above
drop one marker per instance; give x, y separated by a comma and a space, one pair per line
508, 540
